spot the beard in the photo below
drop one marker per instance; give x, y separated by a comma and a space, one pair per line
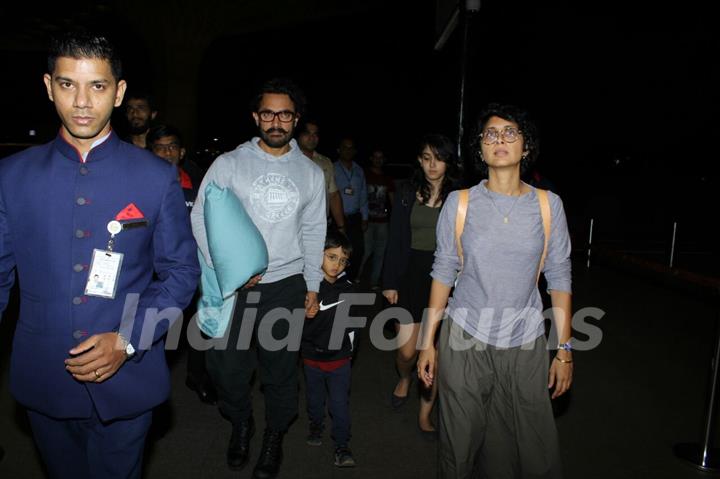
278, 141
138, 128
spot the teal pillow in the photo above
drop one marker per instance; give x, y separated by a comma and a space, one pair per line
214, 313
237, 249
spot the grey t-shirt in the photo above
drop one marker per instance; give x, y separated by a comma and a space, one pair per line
496, 298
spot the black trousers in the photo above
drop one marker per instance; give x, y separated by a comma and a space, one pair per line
196, 371
353, 228
231, 368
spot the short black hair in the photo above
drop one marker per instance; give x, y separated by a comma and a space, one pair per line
282, 86
335, 239
142, 95
527, 127
347, 137
161, 131
84, 44
303, 124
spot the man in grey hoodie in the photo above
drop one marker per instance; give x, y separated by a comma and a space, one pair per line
283, 191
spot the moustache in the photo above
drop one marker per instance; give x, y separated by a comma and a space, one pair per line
276, 130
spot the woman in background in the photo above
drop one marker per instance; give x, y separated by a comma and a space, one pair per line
409, 258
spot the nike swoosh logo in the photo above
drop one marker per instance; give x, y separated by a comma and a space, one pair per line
324, 307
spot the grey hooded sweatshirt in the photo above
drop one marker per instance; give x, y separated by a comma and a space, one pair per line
284, 196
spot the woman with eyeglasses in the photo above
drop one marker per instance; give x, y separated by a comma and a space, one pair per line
409, 258
493, 371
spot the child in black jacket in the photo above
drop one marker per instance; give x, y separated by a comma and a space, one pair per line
328, 367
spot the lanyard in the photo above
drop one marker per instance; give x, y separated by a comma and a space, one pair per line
352, 172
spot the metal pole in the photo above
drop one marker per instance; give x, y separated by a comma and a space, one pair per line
467, 9
464, 18
703, 456
590, 242
672, 247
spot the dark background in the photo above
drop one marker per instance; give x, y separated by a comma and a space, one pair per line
624, 94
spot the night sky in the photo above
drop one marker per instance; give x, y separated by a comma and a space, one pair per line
624, 97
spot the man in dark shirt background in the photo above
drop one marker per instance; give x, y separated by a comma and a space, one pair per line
140, 111
380, 191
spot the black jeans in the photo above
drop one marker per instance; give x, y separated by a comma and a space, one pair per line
231, 368
196, 370
353, 228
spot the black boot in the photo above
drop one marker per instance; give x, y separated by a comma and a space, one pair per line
239, 448
271, 456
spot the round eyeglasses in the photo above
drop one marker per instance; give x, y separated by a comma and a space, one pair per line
509, 134
336, 259
285, 116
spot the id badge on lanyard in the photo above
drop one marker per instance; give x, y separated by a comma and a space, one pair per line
105, 267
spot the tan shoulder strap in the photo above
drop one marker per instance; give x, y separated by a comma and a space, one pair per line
463, 196
546, 214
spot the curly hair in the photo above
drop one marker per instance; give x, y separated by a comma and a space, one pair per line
525, 124
445, 151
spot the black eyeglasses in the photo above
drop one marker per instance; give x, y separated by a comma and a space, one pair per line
285, 116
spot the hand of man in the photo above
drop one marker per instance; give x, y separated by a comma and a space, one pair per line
252, 282
311, 304
97, 358
391, 295
561, 374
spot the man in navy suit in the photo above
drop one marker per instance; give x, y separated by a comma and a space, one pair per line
99, 234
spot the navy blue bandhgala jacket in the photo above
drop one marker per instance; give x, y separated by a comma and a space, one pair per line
54, 210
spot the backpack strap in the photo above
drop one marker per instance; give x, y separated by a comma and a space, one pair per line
546, 214
463, 196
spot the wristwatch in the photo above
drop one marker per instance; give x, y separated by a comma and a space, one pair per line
565, 346
129, 349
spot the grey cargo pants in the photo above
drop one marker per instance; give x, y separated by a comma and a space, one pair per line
496, 421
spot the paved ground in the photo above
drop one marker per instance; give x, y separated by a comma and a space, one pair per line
639, 392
